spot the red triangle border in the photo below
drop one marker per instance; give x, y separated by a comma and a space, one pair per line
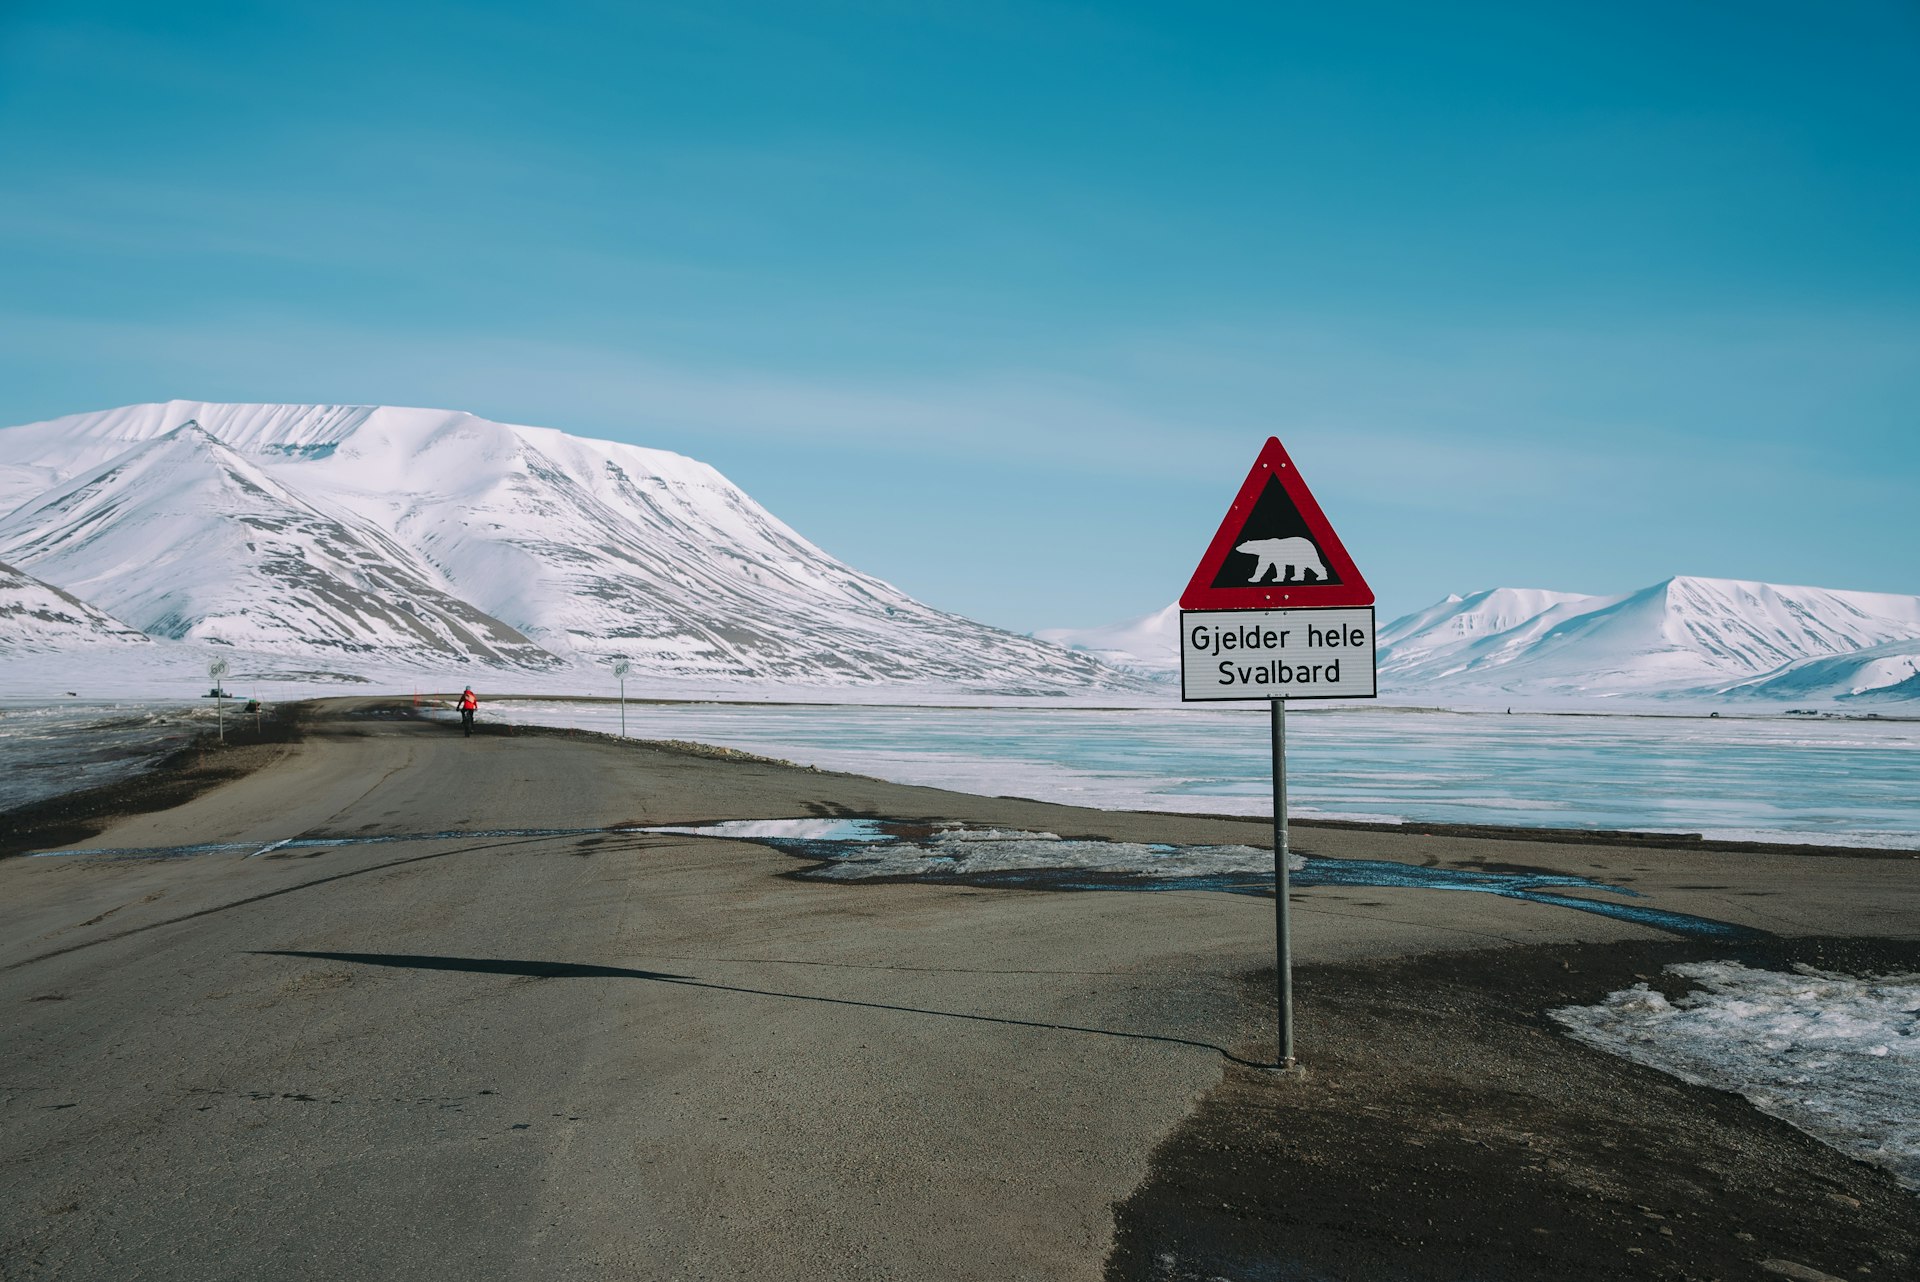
1352, 590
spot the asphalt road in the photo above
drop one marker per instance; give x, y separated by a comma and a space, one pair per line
594, 1055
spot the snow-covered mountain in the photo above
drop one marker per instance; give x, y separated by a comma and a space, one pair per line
432, 535
1687, 637
38, 618
1446, 636
186, 540
1886, 673
1149, 644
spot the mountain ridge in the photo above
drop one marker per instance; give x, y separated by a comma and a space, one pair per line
38, 618
185, 539
1686, 637
582, 550
1683, 635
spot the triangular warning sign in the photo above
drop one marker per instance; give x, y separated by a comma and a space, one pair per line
1275, 550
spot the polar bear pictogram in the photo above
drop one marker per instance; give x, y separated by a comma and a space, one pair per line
1285, 557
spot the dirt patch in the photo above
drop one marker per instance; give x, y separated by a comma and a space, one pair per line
1445, 1129
176, 779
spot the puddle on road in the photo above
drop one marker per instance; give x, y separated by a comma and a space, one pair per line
883, 850
887, 850
871, 849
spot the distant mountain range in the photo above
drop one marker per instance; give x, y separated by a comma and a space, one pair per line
339, 537
353, 543
1681, 639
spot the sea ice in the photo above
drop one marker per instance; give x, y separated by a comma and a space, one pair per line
1779, 780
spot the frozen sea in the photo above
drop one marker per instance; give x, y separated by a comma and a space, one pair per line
1845, 782
1779, 779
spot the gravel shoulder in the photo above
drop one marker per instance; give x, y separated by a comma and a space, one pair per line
1446, 1129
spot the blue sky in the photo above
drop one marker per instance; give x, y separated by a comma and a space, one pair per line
1000, 301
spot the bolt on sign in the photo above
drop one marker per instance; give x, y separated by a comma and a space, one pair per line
1276, 609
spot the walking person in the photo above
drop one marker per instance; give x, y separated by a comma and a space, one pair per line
468, 705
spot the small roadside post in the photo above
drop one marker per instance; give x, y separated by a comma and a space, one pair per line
620, 669
1277, 610
216, 670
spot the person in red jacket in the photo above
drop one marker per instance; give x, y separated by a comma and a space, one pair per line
468, 704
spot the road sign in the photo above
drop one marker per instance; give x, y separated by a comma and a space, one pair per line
216, 670
1276, 654
1277, 610
1275, 550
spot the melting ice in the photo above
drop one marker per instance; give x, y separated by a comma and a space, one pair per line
1835, 1055
862, 849
874, 849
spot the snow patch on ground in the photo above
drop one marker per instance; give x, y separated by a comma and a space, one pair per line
1835, 1055
857, 830
877, 850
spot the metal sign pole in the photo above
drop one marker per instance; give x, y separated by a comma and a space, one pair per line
218, 669
1282, 884
620, 669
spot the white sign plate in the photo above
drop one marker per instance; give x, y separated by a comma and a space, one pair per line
1277, 654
